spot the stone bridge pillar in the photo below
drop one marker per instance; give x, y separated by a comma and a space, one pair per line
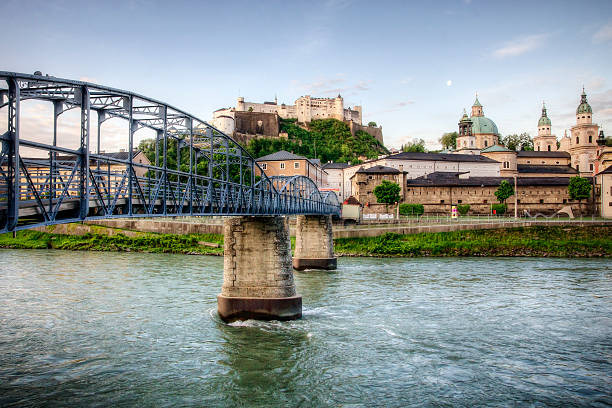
314, 245
257, 274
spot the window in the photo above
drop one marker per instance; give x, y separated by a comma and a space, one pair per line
564, 200
441, 201
591, 167
486, 143
557, 162
528, 161
518, 201
577, 167
590, 139
577, 140
541, 201
484, 201
282, 165
549, 148
264, 166
296, 165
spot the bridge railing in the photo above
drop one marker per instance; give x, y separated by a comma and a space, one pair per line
192, 168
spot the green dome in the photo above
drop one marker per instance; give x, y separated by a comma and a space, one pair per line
584, 106
544, 120
482, 124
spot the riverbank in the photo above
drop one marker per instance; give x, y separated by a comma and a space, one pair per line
542, 241
191, 244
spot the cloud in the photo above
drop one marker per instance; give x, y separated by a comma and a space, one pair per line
338, 4
520, 45
334, 85
603, 34
449, 83
394, 108
406, 80
88, 79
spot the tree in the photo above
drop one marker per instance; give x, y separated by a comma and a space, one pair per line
579, 188
504, 191
372, 124
518, 142
449, 140
387, 192
418, 146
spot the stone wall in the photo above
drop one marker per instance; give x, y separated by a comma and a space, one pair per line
257, 123
375, 132
534, 199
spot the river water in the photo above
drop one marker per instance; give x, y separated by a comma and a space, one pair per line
130, 329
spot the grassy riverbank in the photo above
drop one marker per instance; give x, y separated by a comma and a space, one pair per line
194, 244
554, 241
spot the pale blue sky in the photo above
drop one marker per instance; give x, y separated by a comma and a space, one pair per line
393, 58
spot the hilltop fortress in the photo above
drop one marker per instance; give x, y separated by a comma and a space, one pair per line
250, 120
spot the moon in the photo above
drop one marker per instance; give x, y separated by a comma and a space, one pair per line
449, 82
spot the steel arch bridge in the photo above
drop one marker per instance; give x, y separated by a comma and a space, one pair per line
59, 184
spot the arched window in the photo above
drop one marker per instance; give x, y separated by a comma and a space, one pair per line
549, 148
486, 143
577, 140
590, 139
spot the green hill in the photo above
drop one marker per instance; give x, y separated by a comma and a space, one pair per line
326, 139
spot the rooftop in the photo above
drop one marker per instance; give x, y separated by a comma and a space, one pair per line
529, 153
379, 169
496, 148
327, 166
539, 168
281, 155
449, 157
451, 179
285, 155
606, 171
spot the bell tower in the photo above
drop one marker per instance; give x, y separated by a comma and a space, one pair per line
477, 108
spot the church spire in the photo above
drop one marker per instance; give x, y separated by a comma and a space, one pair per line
477, 107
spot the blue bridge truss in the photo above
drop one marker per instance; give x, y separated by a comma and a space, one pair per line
50, 183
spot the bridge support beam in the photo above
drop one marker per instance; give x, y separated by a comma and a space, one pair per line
314, 245
257, 275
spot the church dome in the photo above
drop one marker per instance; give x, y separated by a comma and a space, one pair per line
584, 106
544, 120
482, 124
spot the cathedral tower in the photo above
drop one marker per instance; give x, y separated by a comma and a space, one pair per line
545, 141
583, 143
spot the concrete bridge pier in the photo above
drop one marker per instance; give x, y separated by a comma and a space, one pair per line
314, 244
257, 274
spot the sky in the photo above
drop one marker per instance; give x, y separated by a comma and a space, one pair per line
412, 65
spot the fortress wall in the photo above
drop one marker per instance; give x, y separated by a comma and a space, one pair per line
375, 132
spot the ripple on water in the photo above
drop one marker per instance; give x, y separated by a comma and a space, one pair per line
142, 329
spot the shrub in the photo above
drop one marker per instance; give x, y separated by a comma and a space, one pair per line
387, 192
411, 209
499, 209
463, 209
